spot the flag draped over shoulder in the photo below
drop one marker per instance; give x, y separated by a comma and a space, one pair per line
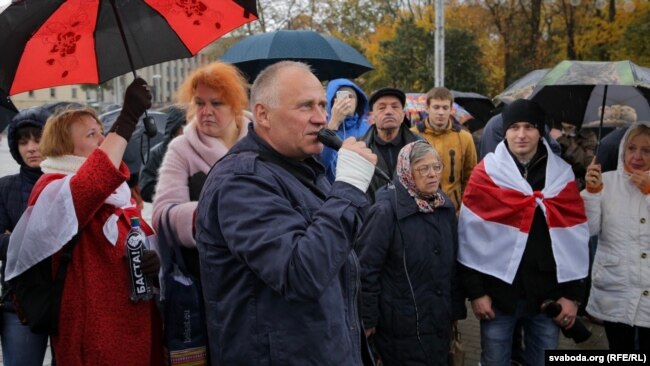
497, 214
50, 222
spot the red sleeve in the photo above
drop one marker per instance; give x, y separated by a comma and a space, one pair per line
94, 182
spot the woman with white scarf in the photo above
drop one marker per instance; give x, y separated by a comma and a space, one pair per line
83, 192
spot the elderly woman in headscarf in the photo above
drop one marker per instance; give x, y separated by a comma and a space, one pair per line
617, 204
407, 250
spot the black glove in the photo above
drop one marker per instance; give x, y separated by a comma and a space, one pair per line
150, 263
137, 99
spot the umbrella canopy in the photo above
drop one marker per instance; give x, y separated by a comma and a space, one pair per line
624, 106
48, 43
479, 106
522, 88
7, 110
329, 57
569, 92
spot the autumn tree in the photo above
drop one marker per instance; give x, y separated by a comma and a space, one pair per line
463, 71
406, 57
518, 24
635, 44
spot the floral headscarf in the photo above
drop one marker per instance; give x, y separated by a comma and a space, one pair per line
427, 203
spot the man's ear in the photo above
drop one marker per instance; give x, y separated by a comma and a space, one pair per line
371, 121
261, 113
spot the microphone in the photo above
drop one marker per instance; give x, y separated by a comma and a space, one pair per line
578, 332
330, 139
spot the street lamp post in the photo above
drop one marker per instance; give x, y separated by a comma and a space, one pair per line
156, 89
439, 44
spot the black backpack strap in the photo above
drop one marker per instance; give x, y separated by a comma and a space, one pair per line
66, 258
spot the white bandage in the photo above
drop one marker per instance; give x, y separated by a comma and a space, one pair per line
354, 169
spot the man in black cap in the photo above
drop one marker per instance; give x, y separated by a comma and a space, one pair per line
388, 133
523, 240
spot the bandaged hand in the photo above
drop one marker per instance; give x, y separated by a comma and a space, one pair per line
355, 164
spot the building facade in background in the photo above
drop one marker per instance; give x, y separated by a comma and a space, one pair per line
163, 78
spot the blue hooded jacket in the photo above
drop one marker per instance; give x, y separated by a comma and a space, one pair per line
355, 125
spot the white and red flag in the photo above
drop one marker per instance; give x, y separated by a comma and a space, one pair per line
497, 214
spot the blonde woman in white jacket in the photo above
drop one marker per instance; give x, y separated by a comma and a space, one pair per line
618, 208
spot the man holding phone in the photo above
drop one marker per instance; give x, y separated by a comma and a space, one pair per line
347, 111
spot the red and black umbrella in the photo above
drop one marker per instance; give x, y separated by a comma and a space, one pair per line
47, 43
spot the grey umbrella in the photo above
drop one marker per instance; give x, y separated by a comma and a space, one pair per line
521, 88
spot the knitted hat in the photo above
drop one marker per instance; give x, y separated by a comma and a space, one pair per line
387, 91
524, 110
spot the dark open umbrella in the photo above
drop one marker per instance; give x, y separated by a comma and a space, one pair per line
479, 106
565, 91
7, 110
329, 57
521, 88
48, 43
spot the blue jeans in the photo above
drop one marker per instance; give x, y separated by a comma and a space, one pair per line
21, 347
540, 333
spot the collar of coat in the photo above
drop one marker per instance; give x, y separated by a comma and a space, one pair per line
405, 205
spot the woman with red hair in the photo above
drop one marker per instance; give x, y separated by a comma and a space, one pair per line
215, 97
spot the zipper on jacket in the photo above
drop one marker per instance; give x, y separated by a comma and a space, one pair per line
452, 158
354, 311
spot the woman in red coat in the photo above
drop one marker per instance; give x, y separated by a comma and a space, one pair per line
83, 190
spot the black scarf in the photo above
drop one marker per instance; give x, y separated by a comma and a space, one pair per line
29, 176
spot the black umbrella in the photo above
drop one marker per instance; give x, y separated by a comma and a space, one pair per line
565, 91
479, 106
329, 57
521, 88
7, 110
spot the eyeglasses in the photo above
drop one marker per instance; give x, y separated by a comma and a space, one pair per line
426, 169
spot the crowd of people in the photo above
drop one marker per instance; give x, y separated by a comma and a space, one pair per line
308, 255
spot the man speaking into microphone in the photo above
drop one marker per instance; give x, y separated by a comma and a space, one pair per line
280, 278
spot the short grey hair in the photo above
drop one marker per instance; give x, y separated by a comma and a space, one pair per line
422, 149
265, 86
